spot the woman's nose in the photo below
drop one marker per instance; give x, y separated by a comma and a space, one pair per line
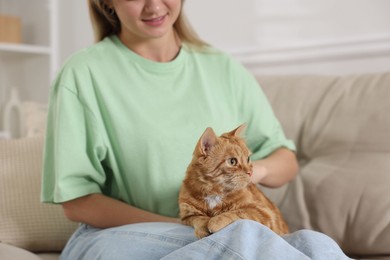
152, 6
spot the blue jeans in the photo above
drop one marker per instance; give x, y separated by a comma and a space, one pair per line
243, 239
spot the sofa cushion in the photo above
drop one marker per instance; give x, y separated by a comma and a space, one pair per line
341, 126
24, 221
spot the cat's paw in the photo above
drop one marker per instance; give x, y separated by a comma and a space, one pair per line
202, 232
218, 222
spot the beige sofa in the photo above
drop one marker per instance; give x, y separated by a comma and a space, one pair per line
341, 126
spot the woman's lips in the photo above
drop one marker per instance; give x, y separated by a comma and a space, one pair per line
155, 21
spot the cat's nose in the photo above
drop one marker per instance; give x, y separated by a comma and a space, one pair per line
249, 173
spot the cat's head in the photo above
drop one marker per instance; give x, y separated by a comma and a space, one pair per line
225, 160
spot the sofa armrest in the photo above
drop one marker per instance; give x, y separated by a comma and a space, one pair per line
15, 253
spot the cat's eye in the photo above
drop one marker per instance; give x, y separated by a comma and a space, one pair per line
249, 159
232, 161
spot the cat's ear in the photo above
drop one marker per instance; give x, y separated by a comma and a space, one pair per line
238, 131
206, 141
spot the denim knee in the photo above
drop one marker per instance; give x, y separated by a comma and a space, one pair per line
316, 245
244, 224
314, 237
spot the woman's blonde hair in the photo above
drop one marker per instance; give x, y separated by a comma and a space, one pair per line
105, 23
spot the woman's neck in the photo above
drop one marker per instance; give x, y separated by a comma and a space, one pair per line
160, 50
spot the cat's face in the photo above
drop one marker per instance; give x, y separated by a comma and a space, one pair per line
225, 160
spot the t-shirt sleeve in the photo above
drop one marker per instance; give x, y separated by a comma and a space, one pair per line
73, 151
264, 133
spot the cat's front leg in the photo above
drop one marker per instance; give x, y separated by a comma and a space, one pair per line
197, 219
200, 224
220, 221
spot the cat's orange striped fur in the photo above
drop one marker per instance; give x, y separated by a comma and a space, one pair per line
217, 189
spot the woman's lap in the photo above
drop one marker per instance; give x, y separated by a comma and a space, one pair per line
244, 239
138, 241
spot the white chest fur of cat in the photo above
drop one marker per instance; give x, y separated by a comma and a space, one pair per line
213, 201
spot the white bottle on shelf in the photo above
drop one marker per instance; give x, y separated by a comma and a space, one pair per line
14, 116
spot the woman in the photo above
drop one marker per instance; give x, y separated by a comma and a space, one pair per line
124, 117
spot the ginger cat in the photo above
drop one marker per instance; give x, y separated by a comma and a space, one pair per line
217, 189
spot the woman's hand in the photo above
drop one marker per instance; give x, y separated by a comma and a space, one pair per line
275, 170
259, 172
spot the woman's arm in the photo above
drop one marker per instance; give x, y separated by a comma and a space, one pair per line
275, 170
103, 212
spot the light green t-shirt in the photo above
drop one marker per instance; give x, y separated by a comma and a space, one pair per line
126, 126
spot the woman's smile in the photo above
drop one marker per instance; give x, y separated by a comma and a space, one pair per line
155, 21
